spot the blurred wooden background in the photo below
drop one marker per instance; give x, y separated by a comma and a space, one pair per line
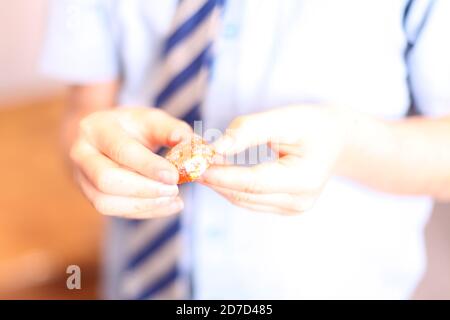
46, 225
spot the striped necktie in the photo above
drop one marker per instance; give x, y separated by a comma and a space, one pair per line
152, 270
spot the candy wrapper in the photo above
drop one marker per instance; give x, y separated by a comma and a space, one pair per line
191, 158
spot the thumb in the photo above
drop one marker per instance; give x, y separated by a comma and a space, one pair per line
166, 130
245, 132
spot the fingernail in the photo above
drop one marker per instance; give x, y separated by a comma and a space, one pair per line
168, 190
168, 177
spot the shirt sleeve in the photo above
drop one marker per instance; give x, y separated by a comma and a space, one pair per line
429, 60
80, 44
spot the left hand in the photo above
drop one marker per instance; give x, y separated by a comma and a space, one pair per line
310, 142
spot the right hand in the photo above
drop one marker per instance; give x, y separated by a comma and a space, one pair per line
117, 167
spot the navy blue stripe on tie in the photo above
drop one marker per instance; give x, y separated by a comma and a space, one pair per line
170, 231
406, 12
194, 114
187, 27
163, 282
183, 77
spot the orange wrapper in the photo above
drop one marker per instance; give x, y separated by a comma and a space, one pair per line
191, 158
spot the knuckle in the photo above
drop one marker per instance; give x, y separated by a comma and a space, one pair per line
231, 199
249, 188
239, 196
252, 187
119, 150
104, 178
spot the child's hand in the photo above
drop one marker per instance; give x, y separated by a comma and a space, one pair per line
309, 141
117, 167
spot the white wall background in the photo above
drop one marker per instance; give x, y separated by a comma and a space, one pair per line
22, 25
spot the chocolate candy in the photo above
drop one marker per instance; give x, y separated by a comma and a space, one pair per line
191, 158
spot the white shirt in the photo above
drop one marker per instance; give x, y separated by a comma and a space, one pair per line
356, 242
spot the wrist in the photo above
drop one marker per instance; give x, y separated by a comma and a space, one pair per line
362, 135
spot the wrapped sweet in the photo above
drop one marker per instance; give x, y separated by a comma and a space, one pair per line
191, 158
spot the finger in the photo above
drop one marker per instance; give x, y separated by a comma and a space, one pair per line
262, 208
115, 142
160, 128
247, 131
157, 213
128, 207
109, 178
259, 207
269, 177
244, 132
283, 201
